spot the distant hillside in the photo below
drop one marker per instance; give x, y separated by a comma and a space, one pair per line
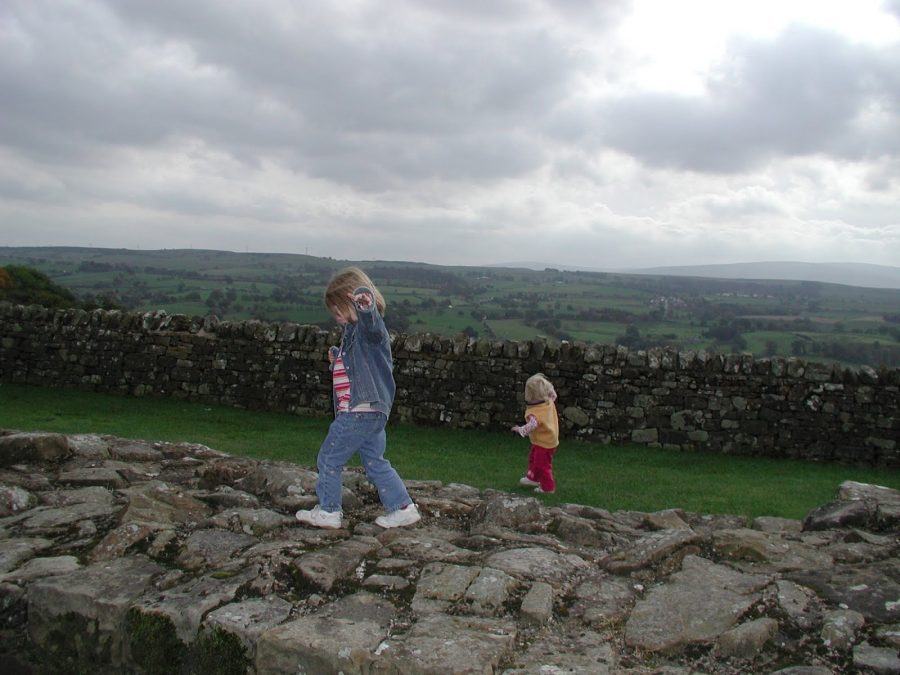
850, 274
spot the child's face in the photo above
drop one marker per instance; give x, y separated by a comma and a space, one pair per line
343, 315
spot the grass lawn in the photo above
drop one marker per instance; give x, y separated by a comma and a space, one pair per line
608, 476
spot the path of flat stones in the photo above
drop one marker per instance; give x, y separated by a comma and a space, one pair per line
129, 556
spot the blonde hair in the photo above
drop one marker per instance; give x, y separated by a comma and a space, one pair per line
343, 283
537, 387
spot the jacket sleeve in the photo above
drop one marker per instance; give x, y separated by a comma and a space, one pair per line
369, 319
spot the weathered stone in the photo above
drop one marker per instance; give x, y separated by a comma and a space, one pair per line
486, 595
776, 552
248, 619
838, 514
158, 502
86, 495
872, 590
840, 628
341, 637
508, 511
108, 478
14, 552
117, 541
452, 592
748, 639
251, 521
44, 519
99, 595
800, 604
37, 568
537, 605
879, 660
388, 582
580, 651
650, 549
889, 634
134, 451
669, 519
576, 415
539, 564
425, 544
582, 531
440, 585
777, 525
603, 600
229, 498
32, 447
14, 499
439, 644
338, 561
881, 501
185, 605
89, 446
696, 605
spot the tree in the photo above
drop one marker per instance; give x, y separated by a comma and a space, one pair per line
26, 286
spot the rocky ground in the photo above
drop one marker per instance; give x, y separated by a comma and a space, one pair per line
119, 555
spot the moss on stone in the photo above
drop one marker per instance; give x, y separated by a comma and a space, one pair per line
74, 646
221, 653
153, 642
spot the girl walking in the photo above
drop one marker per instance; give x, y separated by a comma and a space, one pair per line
363, 393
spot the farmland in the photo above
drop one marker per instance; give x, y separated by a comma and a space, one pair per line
830, 322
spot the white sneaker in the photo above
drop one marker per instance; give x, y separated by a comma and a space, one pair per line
330, 520
400, 518
543, 492
527, 482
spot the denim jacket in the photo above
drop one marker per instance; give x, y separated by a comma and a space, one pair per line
366, 347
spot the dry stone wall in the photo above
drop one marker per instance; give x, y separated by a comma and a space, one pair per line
680, 400
128, 556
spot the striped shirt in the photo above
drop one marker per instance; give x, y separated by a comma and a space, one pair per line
341, 383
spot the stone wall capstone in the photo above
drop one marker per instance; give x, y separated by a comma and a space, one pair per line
728, 403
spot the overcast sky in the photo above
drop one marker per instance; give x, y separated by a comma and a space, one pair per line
596, 133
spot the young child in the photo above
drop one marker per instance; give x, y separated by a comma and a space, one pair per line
542, 428
363, 392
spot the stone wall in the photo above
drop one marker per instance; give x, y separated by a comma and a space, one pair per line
680, 400
127, 556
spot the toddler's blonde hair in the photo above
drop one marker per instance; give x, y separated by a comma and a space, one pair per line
343, 283
537, 387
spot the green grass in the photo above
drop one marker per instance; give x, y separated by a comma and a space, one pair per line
608, 476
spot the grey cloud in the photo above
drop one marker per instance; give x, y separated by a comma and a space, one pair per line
302, 82
893, 6
800, 94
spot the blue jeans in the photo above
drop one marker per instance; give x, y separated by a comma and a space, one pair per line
348, 434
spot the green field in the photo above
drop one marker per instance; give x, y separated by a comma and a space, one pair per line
613, 477
816, 321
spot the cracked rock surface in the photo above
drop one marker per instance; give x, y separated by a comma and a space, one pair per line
121, 555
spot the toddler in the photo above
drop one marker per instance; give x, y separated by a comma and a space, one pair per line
542, 428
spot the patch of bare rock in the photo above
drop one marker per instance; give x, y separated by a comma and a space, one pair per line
119, 555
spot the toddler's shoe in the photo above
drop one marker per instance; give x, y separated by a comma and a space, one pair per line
527, 482
400, 518
543, 492
330, 520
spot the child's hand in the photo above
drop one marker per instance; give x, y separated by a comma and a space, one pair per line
518, 430
361, 300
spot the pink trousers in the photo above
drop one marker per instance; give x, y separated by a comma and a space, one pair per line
540, 467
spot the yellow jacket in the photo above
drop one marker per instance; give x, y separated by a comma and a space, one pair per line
547, 433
